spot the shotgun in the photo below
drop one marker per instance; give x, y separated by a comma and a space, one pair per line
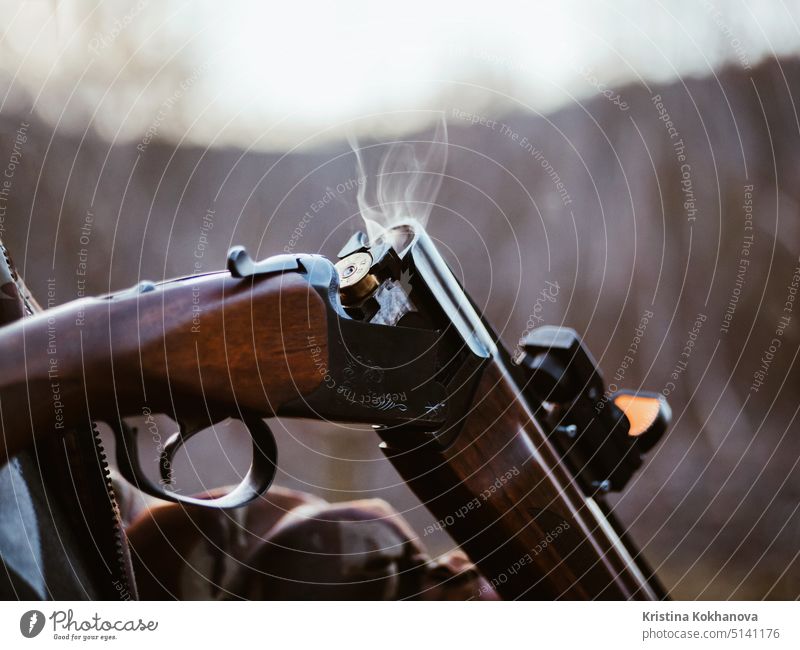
512, 456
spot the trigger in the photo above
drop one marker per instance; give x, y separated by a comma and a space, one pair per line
648, 415
171, 447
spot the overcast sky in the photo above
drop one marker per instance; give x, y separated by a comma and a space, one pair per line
275, 76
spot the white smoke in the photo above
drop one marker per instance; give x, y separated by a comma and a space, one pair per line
400, 179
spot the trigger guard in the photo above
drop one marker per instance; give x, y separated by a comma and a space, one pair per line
255, 483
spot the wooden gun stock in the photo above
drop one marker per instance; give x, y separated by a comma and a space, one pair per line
214, 343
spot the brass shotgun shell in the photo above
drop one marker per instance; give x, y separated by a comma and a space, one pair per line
355, 280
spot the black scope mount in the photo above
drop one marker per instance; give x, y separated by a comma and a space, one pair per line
600, 435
